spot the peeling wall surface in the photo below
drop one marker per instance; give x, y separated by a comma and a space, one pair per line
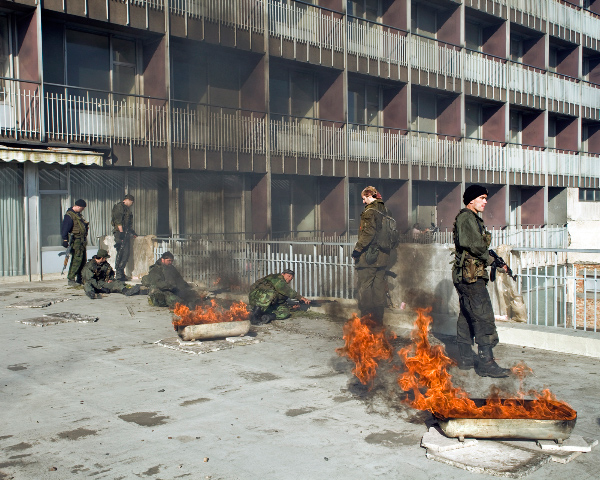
583, 225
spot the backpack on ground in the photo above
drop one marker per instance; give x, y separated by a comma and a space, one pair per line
388, 237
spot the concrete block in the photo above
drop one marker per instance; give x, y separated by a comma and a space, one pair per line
38, 302
565, 458
574, 443
435, 441
206, 346
57, 318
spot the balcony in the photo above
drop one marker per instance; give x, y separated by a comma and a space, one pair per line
376, 42
484, 69
435, 57
19, 110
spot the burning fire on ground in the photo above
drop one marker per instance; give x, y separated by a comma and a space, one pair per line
201, 315
426, 376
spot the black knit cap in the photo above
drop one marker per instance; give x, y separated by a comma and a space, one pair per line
80, 203
129, 197
168, 255
472, 192
289, 272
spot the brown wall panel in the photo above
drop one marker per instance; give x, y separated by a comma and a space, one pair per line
394, 14
395, 107
331, 103
567, 134
27, 47
449, 116
159, 157
260, 206
336, 5
141, 156
230, 161
55, 5
121, 155
568, 62
156, 21
449, 203
154, 69
534, 52
178, 26
180, 158
253, 88
195, 29
213, 160
533, 129
118, 13
494, 214
331, 205
137, 15
449, 30
594, 138
494, 40
494, 123
76, 7
198, 160
97, 10
532, 206
396, 199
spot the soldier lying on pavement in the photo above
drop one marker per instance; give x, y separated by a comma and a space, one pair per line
98, 277
268, 297
167, 286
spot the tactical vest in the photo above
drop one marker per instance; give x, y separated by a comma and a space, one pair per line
466, 267
80, 226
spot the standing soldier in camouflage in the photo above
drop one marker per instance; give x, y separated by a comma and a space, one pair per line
470, 277
122, 222
371, 261
74, 230
99, 277
167, 286
268, 297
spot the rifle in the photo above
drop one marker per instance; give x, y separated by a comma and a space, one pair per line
67, 253
500, 263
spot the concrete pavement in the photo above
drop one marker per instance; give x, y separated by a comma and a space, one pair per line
102, 400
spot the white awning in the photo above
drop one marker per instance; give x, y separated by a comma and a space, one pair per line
62, 156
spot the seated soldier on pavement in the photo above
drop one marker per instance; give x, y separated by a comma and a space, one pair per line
268, 297
167, 286
98, 277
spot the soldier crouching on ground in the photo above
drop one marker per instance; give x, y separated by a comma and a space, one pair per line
98, 277
268, 297
167, 286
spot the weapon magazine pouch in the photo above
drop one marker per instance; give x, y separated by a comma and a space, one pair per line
371, 254
472, 269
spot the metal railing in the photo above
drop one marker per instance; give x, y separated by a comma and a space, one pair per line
558, 293
19, 110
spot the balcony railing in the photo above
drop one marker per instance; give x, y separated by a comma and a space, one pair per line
435, 57
377, 42
485, 69
19, 110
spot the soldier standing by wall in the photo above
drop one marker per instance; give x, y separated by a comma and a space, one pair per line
470, 277
371, 261
122, 222
74, 230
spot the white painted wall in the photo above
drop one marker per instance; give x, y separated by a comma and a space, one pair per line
583, 225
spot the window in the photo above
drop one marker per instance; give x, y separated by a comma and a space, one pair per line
5, 56
551, 132
423, 20
366, 9
123, 66
589, 195
424, 112
552, 59
472, 120
293, 92
515, 127
54, 197
364, 104
88, 60
516, 48
473, 36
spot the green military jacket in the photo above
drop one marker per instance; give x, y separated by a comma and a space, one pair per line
276, 282
472, 243
165, 278
370, 225
121, 215
102, 272
80, 225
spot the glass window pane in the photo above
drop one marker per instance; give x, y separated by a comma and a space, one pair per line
53, 178
427, 113
589, 195
51, 216
88, 60
303, 100
472, 116
123, 51
581, 194
279, 91
472, 39
53, 51
4, 52
224, 89
356, 104
124, 79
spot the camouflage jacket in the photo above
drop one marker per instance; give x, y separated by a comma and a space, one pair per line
121, 215
101, 272
370, 225
165, 278
472, 243
276, 282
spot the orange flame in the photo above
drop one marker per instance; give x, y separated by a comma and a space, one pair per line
364, 347
183, 316
428, 378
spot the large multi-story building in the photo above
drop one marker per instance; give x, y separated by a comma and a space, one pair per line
268, 116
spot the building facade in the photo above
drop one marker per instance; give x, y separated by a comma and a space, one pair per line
269, 116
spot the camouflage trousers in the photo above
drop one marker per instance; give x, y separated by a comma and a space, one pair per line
476, 317
78, 259
100, 286
270, 302
165, 298
371, 288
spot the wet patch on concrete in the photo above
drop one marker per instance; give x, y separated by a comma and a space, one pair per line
259, 377
37, 290
187, 403
15, 457
57, 318
294, 412
4, 437
19, 447
323, 375
18, 366
341, 399
152, 471
145, 419
388, 438
5, 294
79, 469
112, 349
175, 343
38, 302
76, 434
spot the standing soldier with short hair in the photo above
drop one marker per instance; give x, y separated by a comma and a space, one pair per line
469, 274
122, 222
74, 230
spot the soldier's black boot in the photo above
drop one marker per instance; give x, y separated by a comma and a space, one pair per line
487, 367
120, 275
255, 315
129, 291
92, 295
465, 359
267, 318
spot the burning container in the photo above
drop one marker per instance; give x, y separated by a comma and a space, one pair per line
211, 322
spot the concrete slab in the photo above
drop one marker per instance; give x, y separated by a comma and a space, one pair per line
575, 443
436, 441
38, 302
493, 458
200, 347
57, 318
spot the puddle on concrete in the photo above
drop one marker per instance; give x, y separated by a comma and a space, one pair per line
187, 403
76, 434
294, 412
145, 419
57, 318
152, 471
17, 367
388, 438
19, 447
259, 377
